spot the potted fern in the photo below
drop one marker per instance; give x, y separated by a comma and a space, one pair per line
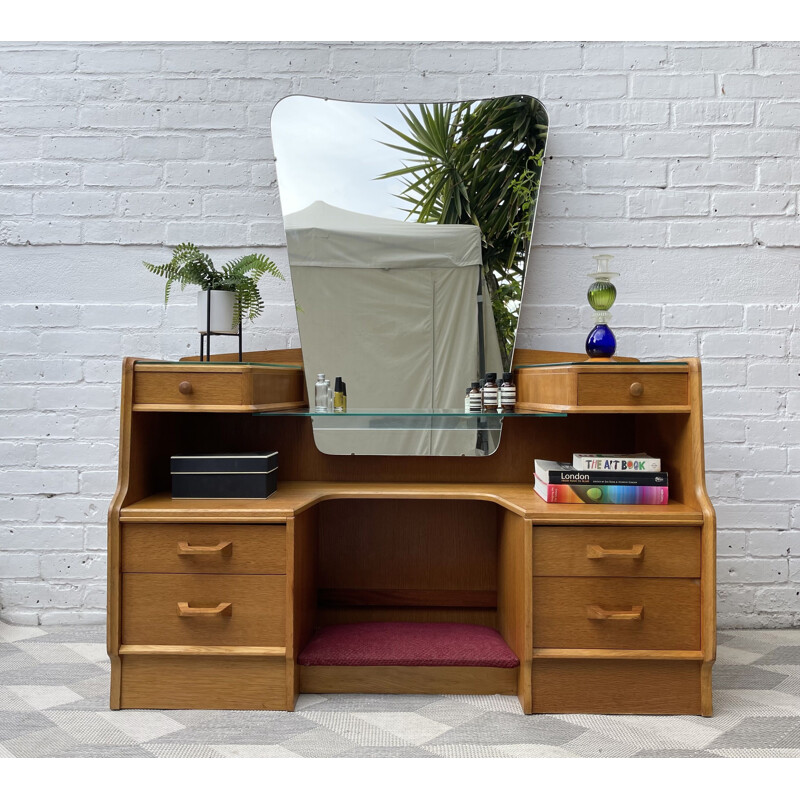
234, 288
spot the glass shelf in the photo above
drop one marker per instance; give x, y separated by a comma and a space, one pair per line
439, 419
218, 363
604, 364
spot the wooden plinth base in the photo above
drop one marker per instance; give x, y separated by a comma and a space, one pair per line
409, 680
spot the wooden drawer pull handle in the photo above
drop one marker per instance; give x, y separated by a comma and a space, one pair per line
222, 610
184, 387
598, 551
637, 390
598, 612
186, 549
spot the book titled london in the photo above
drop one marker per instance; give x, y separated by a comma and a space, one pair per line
637, 462
615, 495
562, 472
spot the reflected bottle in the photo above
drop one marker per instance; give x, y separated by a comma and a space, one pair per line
508, 394
338, 396
490, 393
475, 401
320, 393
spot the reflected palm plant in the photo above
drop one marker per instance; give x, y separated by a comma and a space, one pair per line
478, 163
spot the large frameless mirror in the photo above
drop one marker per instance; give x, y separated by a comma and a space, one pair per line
408, 229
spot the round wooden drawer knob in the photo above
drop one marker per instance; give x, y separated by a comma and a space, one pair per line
637, 390
184, 387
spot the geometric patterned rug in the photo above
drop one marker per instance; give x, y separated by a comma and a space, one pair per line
54, 703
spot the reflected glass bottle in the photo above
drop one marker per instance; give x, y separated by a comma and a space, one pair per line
601, 342
320, 393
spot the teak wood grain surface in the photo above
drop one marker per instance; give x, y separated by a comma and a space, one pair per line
602, 551
151, 614
620, 388
610, 686
408, 680
669, 617
610, 609
232, 388
639, 390
203, 547
223, 682
294, 497
408, 545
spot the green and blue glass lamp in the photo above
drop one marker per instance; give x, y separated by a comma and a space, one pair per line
601, 342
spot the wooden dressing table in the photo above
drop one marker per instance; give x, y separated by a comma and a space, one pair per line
609, 609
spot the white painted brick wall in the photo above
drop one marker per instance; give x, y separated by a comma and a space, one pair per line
682, 159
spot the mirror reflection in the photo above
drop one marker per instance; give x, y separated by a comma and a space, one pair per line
408, 228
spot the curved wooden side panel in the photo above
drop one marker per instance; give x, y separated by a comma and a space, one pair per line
708, 577
113, 627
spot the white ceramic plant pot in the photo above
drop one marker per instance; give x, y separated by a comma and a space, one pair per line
221, 312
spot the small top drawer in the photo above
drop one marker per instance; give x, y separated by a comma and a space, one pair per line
658, 552
204, 548
189, 389
605, 388
633, 389
211, 386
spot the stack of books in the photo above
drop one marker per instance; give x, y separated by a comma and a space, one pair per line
597, 478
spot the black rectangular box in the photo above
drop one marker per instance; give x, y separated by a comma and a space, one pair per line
225, 476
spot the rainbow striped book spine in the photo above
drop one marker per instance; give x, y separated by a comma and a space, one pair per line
615, 495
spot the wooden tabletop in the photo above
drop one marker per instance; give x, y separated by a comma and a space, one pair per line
293, 497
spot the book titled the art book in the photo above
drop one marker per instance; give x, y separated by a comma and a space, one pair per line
637, 462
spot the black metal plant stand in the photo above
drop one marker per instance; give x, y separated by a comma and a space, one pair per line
205, 336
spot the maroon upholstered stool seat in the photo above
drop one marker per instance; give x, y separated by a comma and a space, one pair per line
411, 644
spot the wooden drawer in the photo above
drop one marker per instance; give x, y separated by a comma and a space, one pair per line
584, 388
658, 552
569, 613
188, 388
229, 549
255, 617
217, 387
633, 389
204, 682
610, 686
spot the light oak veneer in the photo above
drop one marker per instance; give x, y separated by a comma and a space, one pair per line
610, 609
199, 548
293, 497
253, 609
624, 550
